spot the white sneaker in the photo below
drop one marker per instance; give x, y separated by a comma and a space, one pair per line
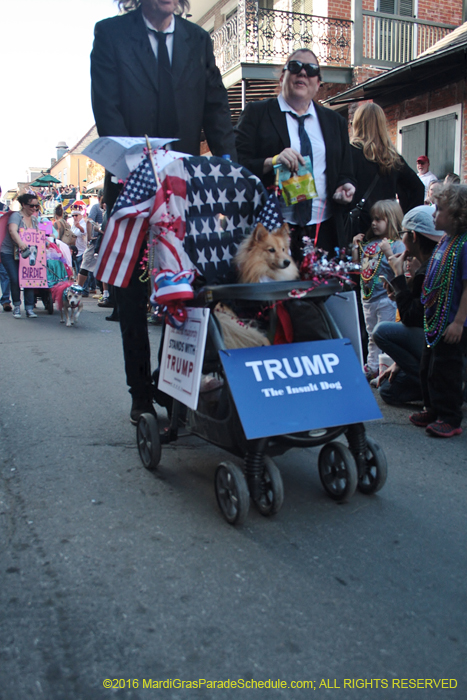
16, 312
30, 314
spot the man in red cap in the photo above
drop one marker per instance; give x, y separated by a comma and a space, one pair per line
423, 169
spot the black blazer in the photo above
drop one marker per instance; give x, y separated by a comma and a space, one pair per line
125, 91
262, 132
403, 182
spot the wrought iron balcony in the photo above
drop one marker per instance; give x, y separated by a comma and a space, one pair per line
255, 35
269, 36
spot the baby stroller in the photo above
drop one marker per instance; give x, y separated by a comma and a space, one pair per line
211, 226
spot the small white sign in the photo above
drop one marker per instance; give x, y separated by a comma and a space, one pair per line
121, 154
182, 358
344, 310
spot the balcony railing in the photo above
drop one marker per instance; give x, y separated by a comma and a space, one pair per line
257, 35
389, 40
269, 36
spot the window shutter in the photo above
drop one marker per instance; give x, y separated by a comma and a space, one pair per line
414, 143
441, 143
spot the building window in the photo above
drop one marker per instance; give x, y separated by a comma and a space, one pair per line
303, 7
403, 8
436, 135
394, 38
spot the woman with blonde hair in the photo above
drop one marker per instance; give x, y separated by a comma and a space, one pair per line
380, 171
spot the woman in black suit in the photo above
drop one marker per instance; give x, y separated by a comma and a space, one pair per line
268, 133
373, 154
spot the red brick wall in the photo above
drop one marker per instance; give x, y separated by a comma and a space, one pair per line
449, 12
339, 9
443, 11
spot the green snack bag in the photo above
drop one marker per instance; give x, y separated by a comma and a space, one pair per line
299, 186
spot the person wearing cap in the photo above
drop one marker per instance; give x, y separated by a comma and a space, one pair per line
404, 341
78, 227
424, 173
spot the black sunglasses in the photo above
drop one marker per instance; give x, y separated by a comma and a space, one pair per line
34, 206
311, 69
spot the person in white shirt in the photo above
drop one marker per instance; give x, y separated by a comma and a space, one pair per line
78, 227
423, 170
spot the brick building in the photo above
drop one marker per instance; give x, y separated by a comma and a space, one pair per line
425, 104
353, 39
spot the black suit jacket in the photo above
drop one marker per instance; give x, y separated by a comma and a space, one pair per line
262, 132
125, 91
401, 181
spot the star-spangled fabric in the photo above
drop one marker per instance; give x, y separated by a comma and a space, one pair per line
199, 212
222, 204
271, 214
127, 227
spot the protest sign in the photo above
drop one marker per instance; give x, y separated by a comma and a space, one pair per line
33, 269
283, 389
182, 358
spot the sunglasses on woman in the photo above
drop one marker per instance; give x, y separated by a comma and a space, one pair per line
34, 206
311, 69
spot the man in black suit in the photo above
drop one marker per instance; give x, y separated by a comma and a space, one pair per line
268, 133
154, 73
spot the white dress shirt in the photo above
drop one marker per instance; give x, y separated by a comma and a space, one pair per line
169, 40
320, 211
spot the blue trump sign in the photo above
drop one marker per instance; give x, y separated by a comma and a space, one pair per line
283, 389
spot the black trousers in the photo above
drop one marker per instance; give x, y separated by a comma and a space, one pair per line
441, 369
132, 304
327, 238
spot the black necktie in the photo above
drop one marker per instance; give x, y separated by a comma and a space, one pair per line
167, 120
302, 210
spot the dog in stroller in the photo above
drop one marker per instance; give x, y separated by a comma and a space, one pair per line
208, 243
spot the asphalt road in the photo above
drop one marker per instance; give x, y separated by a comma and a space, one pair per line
111, 572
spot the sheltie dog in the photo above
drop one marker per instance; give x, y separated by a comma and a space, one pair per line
264, 256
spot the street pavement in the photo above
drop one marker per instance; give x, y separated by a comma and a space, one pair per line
110, 573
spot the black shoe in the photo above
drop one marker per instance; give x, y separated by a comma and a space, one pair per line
106, 304
140, 406
114, 317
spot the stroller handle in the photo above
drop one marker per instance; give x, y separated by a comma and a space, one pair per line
268, 291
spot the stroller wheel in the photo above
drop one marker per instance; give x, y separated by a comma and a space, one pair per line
375, 472
232, 493
338, 471
148, 441
273, 496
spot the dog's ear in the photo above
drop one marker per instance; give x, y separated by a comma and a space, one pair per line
284, 230
260, 233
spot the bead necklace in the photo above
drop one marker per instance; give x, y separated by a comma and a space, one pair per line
443, 273
366, 275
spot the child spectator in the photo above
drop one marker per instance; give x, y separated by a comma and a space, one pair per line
445, 318
404, 341
374, 248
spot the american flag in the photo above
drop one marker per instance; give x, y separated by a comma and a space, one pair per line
204, 208
198, 214
271, 214
127, 227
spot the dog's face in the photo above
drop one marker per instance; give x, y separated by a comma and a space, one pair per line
274, 246
73, 298
33, 256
